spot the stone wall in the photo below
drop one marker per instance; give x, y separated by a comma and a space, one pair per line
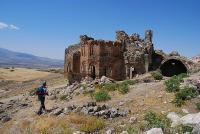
120, 59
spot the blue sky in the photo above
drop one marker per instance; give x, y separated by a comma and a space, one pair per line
47, 27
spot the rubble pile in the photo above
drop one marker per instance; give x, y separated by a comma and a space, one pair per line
91, 108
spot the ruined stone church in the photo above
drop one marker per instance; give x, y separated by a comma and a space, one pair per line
121, 59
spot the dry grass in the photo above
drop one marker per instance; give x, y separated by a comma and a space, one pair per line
45, 125
21, 74
42, 125
88, 124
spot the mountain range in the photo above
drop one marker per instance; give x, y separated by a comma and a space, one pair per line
17, 59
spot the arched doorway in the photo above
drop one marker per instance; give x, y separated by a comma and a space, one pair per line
156, 61
173, 67
92, 71
76, 62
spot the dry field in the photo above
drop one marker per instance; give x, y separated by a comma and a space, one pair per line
21, 74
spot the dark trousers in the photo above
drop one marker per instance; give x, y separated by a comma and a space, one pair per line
42, 106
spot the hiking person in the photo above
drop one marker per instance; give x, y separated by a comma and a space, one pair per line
42, 92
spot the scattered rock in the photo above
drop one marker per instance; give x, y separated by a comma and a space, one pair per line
57, 111
121, 103
185, 111
5, 118
154, 131
190, 119
84, 110
110, 131
124, 132
133, 120
175, 119
196, 129
78, 132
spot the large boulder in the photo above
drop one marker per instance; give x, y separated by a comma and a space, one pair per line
105, 79
154, 131
196, 129
175, 119
192, 119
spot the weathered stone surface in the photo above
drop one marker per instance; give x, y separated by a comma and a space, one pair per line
124, 132
190, 119
78, 132
196, 129
110, 131
57, 111
154, 131
96, 58
174, 53
175, 119
133, 120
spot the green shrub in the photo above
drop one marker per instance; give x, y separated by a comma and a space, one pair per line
173, 84
186, 128
182, 75
109, 86
157, 75
129, 82
198, 105
123, 88
180, 129
184, 94
64, 97
155, 121
101, 95
132, 130
33, 92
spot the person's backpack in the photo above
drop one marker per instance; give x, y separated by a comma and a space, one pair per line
40, 91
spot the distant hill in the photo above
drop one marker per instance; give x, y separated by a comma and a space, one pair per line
10, 58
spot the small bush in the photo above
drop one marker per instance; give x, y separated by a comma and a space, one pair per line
198, 106
132, 130
173, 84
157, 75
186, 129
182, 75
180, 129
123, 88
101, 95
129, 82
33, 92
109, 86
184, 94
64, 97
155, 121
12, 70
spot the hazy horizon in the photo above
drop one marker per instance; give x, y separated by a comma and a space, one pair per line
45, 28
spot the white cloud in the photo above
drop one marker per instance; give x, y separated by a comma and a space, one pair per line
13, 27
3, 25
8, 26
